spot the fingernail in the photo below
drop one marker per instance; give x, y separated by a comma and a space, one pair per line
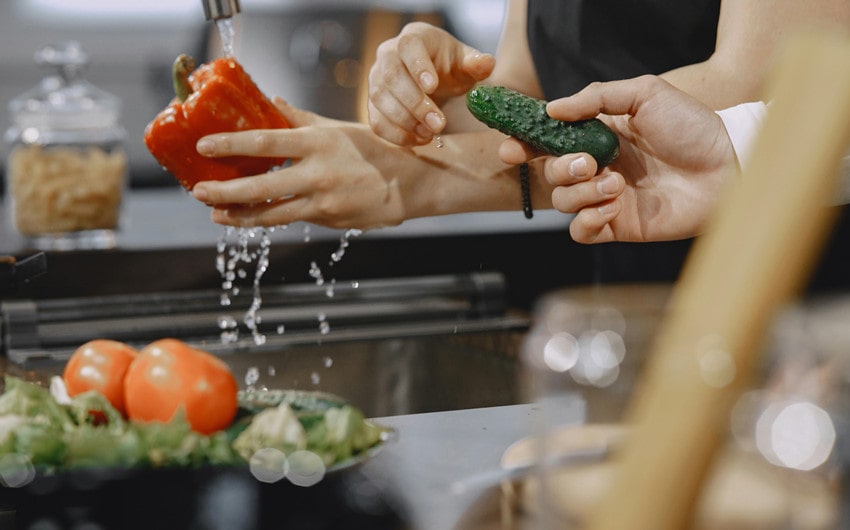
426, 80
200, 194
434, 121
578, 167
608, 185
205, 146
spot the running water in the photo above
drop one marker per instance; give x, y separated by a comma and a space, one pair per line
234, 252
231, 256
226, 34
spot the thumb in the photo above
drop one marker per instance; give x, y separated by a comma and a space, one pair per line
624, 96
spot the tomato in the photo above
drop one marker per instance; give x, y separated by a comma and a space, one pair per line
100, 365
169, 375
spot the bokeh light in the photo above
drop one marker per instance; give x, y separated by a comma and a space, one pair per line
795, 434
268, 465
306, 468
16, 471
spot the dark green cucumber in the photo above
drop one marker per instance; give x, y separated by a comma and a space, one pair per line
525, 118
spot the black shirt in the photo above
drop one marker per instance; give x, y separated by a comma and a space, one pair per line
576, 42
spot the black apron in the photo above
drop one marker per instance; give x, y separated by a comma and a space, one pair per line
576, 42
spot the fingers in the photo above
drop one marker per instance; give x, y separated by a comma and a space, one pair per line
255, 190
276, 213
396, 124
512, 151
413, 74
575, 197
286, 143
569, 169
612, 98
400, 109
477, 65
594, 224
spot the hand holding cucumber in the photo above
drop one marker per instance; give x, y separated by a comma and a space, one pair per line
674, 157
414, 73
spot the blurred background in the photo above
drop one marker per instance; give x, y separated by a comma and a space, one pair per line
313, 53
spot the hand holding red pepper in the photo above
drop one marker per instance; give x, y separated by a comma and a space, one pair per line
217, 97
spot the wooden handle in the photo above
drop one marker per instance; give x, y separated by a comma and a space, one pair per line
756, 254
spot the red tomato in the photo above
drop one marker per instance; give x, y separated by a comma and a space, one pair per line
169, 375
100, 365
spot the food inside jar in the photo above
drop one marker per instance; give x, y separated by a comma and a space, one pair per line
65, 189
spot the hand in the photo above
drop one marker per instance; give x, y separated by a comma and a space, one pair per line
413, 74
331, 180
675, 156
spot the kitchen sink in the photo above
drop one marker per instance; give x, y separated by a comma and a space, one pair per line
390, 346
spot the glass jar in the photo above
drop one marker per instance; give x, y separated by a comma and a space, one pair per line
67, 168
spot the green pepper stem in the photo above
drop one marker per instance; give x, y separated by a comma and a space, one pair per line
183, 66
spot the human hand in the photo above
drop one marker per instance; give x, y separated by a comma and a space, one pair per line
413, 74
331, 181
675, 156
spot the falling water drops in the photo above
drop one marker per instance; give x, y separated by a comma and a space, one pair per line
252, 375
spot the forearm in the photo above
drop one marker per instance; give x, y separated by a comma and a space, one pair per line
466, 175
716, 85
750, 33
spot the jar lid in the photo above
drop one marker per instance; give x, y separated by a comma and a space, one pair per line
63, 101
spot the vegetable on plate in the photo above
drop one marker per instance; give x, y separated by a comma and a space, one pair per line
183, 409
100, 365
169, 376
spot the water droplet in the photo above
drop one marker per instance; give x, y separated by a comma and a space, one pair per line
328, 362
252, 375
229, 337
438, 142
316, 273
227, 322
280, 329
315, 378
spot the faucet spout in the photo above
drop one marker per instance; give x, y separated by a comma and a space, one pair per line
216, 9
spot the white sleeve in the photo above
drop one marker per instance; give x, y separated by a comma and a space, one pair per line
743, 122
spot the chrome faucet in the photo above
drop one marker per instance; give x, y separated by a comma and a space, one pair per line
216, 9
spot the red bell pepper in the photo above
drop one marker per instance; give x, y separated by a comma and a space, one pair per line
217, 97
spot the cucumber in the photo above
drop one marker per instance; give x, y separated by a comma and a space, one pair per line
525, 118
